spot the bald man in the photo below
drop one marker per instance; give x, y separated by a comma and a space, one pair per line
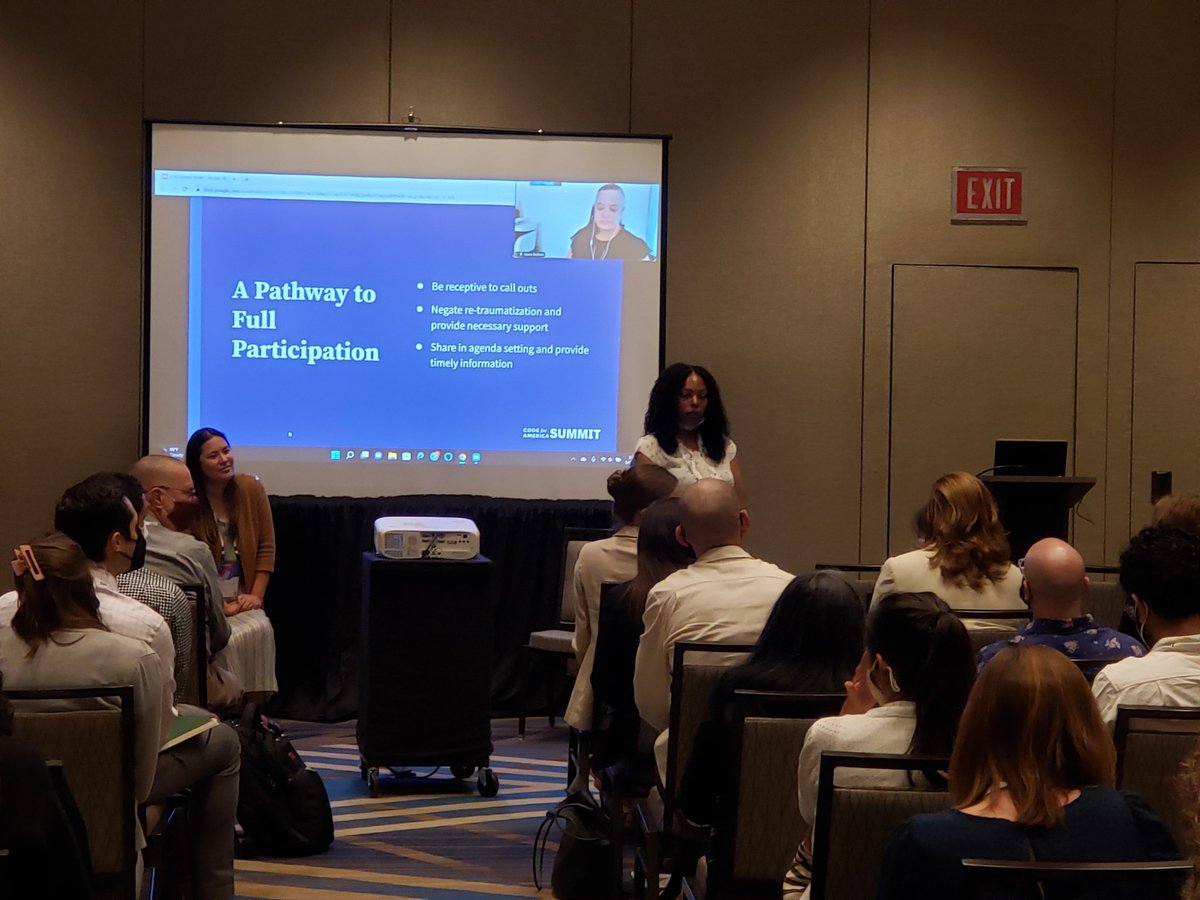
1053, 587
170, 550
724, 596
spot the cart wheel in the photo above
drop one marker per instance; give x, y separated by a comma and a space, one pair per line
462, 771
489, 785
373, 782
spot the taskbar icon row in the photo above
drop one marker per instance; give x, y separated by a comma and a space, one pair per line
462, 457
607, 458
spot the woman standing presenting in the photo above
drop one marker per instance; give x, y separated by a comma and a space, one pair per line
235, 521
687, 432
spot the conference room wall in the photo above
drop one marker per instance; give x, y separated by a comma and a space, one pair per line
70, 233
1027, 84
812, 149
1156, 219
767, 108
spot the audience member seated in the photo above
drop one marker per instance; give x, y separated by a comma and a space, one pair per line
616, 720
1160, 570
612, 560
162, 596
811, 644
96, 515
905, 697
724, 596
963, 552
172, 552
1053, 587
234, 520
1178, 511
57, 640
1031, 777
687, 432
41, 831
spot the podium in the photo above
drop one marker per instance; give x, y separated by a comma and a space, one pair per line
1033, 507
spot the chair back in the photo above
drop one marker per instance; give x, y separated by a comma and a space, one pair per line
759, 825
854, 824
1152, 744
195, 691
1105, 601
1019, 877
90, 731
573, 541
696, 669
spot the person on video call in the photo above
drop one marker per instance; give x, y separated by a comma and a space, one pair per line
604, 236
686, 429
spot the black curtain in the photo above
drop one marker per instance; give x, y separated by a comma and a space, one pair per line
314, 597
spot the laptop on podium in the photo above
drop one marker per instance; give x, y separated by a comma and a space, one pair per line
1023, 457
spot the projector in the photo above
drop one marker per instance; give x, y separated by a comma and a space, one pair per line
426, 537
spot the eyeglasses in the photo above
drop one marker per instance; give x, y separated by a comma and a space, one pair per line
187, 492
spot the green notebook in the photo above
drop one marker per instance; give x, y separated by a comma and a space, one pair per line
185, 727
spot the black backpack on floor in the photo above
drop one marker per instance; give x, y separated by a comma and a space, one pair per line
282, 804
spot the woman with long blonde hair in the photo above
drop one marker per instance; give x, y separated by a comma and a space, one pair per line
964, 553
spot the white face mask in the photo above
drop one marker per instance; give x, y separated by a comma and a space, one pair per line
876, 693
687, 425
1139, 625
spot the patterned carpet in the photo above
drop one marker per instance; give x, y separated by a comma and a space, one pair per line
435, 838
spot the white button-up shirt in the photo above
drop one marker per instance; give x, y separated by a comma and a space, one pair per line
1169, 675
724, 596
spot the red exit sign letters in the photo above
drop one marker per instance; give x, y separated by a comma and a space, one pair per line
987, 196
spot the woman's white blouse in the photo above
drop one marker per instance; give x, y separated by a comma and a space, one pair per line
688, 466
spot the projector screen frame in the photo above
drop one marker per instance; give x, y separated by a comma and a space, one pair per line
400, 129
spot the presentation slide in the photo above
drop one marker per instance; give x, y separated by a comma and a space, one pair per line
377, 313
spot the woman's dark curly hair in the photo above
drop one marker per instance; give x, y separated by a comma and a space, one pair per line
662, 413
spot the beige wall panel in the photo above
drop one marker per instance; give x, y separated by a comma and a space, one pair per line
1022, 84
267, 61
70, 238
524, 64
1155, 217
978, 354
766, 105
1166, 382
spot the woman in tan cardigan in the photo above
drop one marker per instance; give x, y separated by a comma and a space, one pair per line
235, 521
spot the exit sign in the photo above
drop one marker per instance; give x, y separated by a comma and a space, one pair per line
987, 196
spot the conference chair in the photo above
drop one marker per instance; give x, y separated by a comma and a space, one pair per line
95, 745
1152, 744
1146, 880
549, 649
863, 583
1105, 602
854, 824
758, 823
696, 668
996, 623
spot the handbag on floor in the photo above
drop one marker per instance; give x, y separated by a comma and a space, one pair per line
584, 866
282, 804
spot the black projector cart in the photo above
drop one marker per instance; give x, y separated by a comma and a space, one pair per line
425, 658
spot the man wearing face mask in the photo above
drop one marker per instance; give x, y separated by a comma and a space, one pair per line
1160, 570
171, 503
163, 596
1053, 586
